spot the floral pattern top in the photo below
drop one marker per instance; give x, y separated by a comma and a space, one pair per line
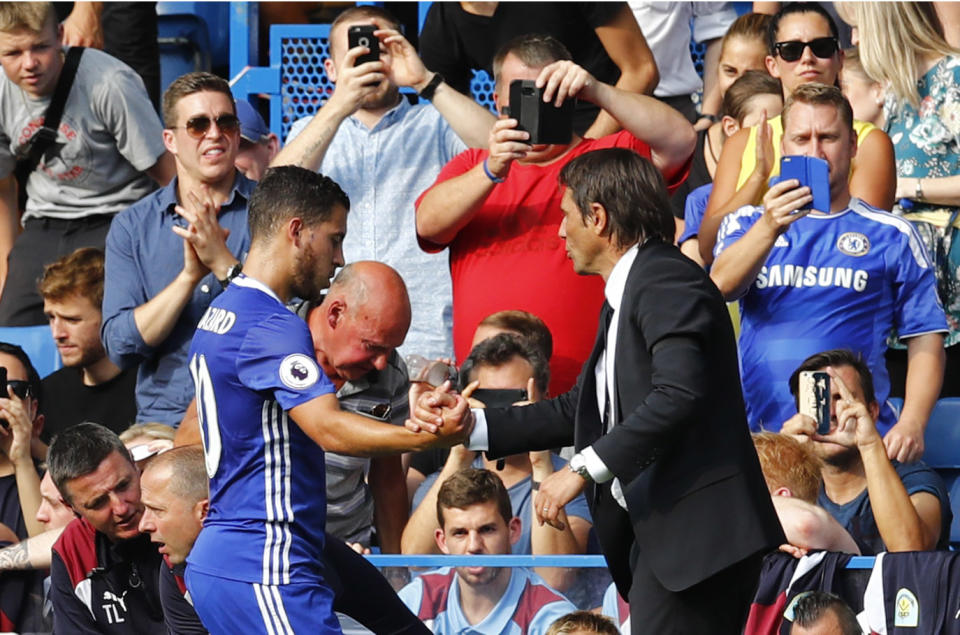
927, 144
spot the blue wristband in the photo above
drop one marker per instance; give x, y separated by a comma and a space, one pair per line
490, 175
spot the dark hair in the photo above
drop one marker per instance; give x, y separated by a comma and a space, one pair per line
79, 273
836, 357
629, 187
533, 49
78, 451
288, 191
797, 7
809, 607
33, 377
816, 94
472, 486
524, 324
579, 621
499, 350
365, 11
736, 102
196, 82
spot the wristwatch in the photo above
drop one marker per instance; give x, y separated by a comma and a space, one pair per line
232, 273
578, 464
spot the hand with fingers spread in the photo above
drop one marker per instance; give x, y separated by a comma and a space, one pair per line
855, 424
204, 235
403, 67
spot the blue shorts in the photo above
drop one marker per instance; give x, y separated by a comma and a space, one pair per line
230, 606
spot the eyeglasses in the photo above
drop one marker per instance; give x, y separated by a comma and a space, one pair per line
822, 47
20, 388
197, 126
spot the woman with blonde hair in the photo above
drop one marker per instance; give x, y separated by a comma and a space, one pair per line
902, 46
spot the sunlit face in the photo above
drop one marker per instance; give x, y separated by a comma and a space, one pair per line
819, 131
363, 341
319, 254
740, 54
109, 497
387, 93
865, 96
804, 27
32, 61
75, 326
52, 513
172, 521
478, 529
582, 242
209, 159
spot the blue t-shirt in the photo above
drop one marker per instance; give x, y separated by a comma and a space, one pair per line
841, 280
252, 360
857, 515
693, 210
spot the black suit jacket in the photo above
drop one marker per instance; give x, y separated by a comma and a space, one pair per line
697, 502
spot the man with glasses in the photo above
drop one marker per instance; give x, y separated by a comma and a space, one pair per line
173, 252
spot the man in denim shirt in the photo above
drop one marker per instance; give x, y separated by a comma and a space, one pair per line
171, 253
384, 153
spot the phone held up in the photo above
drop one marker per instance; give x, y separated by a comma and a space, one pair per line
545, 122
812, 172
815, 398
363, 35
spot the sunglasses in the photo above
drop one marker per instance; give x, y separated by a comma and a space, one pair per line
20, 388
822, 47
197, 127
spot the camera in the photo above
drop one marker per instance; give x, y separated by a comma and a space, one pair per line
362, 35
545, 122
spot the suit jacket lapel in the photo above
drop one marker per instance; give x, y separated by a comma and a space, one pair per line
590, 419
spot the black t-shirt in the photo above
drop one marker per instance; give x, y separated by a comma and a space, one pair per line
67, 401
699, 175
21, 592
454, 42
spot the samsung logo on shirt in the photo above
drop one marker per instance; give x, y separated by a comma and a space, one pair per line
217, 321
799, 276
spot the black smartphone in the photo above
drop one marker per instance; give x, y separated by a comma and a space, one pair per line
362, 35
545, 122
499, 397
815, 398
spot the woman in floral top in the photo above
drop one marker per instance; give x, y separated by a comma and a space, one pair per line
902, 47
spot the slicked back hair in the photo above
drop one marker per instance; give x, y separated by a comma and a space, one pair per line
631, 190
773, 28
196, 82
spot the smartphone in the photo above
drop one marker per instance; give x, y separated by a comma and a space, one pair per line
362, 35
815, 398
499, 397
812, 172
545, 122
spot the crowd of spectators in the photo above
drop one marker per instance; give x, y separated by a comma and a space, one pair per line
121, 226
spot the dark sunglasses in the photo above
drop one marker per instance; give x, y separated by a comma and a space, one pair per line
197, 126
822, 47
20, 388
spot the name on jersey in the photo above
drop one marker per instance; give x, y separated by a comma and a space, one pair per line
217, 321
801, 276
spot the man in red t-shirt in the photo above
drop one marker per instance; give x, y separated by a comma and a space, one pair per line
498, 210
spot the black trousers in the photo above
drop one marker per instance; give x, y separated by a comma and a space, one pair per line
43, 241
716, 606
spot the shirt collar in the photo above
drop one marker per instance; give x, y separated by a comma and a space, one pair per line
388, 119
242, 186
617, 281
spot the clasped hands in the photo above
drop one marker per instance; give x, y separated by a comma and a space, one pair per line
440, 411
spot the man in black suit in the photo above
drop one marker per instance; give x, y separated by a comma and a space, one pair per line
677, 495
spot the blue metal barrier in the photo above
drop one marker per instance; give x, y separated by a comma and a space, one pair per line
576, 562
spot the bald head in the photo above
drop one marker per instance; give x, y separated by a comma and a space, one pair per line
183, 471
363, 318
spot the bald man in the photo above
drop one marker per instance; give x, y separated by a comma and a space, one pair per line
362, 320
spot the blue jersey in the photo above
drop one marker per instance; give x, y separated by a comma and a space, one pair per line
843, 280
252, 360
528, 606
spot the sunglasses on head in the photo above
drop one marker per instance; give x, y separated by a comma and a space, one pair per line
198, 126
20, 388
822, 47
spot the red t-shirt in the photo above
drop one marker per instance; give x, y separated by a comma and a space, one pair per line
509, 256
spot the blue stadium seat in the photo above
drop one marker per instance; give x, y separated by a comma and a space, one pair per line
184, 43
37, 342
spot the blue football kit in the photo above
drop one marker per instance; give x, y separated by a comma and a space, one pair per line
257, 565
841, 280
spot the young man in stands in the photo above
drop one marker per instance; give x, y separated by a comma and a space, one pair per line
473, 510
173, 252
498, 209
885, 505
812, 280
384, 152
108, 152
89, 387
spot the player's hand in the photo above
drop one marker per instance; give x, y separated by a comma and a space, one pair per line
904, 442
403, 66
564, 80
782, 203
426, 407
355, 83
507, 144
555, 492
204, 233
16, 436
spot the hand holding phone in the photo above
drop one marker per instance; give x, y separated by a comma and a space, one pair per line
545, 122
814, 398
812, 172
363, 35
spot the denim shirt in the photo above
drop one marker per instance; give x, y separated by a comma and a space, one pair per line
143, 257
